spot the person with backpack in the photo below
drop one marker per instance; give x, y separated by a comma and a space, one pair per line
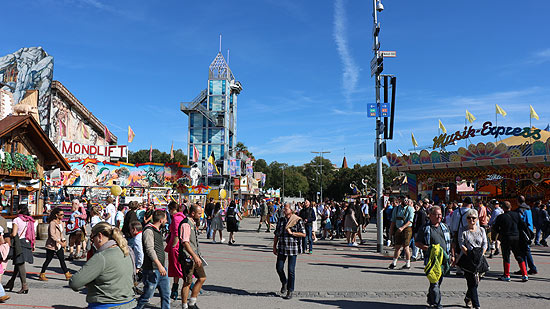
190, 257
232, 217
154, 272
527, 216
429, 235
402, 218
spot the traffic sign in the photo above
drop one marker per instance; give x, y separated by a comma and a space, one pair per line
374, 112
384, 109
387, 53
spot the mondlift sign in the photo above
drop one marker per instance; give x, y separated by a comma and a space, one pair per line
77, 149
488, 129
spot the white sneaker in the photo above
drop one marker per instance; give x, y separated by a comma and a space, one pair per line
354, 244
223, 240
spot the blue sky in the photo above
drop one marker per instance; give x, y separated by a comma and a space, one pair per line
304, 66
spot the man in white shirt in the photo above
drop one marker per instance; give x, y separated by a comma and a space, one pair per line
109, 213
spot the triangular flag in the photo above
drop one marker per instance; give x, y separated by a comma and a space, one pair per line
195, 154
442, 127
533, 113
85, 132
131, 135
151, 153
499, 110
470, 117
547, 127
107, 133
172, 151
415, 144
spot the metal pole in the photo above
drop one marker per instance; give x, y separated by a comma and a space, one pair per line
379, 130
321, 155
283, 199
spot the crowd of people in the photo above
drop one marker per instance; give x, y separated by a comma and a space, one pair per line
132, 251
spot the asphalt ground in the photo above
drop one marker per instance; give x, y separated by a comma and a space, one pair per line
334, 276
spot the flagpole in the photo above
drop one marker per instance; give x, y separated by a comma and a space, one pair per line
128, 149
466, 140
496, 122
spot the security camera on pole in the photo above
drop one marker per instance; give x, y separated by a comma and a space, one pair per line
379, 110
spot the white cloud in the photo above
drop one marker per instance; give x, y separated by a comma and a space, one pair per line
541, 56
350, 75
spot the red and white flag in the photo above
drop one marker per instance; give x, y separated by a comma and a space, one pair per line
151, 153
131, 134
108, 137
195, 154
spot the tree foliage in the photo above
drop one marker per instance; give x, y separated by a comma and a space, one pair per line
142, 156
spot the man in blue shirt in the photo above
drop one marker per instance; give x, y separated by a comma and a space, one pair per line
525, 212
401, 221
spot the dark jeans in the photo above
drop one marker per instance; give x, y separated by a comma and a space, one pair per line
208, 228
529, 259
151, 280
49, 257
434, 293
538, 234
291, 270
472, 282
308, 241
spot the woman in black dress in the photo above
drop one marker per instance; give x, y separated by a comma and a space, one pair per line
232, 217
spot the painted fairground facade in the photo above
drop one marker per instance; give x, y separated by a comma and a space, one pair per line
27, 85
92, 172
502, 170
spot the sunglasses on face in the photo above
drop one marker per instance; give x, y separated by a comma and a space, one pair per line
472, 218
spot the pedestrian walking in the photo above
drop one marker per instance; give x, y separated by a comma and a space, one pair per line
172, 247
109, 213
402, 218
76, 223
264, 212
350, 224
209, 214
95, 216
545, 225
473, 244
190, 258
129, 217
217, 223
108, 274
308, 217
23, 237
286, 246
232, 216
507, 226
494, 245
4, 251
55, 244
154, 272
526, 215
431, 234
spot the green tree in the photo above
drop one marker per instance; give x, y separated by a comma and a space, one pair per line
312, 171
142, 156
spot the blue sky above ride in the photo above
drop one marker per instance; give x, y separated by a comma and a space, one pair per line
304, 66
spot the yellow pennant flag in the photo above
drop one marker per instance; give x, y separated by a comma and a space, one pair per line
470, 117
499, 110
442, 127
533, 113
415, 144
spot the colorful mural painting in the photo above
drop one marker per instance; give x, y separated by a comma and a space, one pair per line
92, 172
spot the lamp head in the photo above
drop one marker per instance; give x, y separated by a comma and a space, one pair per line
379, 6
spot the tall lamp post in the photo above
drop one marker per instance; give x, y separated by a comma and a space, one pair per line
283, 196
378, 67
321, 153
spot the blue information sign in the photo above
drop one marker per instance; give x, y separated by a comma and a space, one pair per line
374, 112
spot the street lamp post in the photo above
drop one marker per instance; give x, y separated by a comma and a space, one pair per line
321, 153
377, 7
283, 197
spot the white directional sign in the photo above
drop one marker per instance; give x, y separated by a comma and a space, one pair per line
387, 53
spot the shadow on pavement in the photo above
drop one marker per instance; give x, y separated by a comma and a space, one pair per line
232, 291
359, 304
66, 307
351, 265
385, 271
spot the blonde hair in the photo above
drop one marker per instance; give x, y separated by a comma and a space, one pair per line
113, 233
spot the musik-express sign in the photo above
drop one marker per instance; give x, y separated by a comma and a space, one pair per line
488, 129
77, 149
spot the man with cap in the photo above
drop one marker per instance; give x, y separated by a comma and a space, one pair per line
495, 243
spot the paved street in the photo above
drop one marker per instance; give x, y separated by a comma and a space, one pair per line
335, 276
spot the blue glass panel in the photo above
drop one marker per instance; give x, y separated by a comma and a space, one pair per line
210, 87
223, 86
